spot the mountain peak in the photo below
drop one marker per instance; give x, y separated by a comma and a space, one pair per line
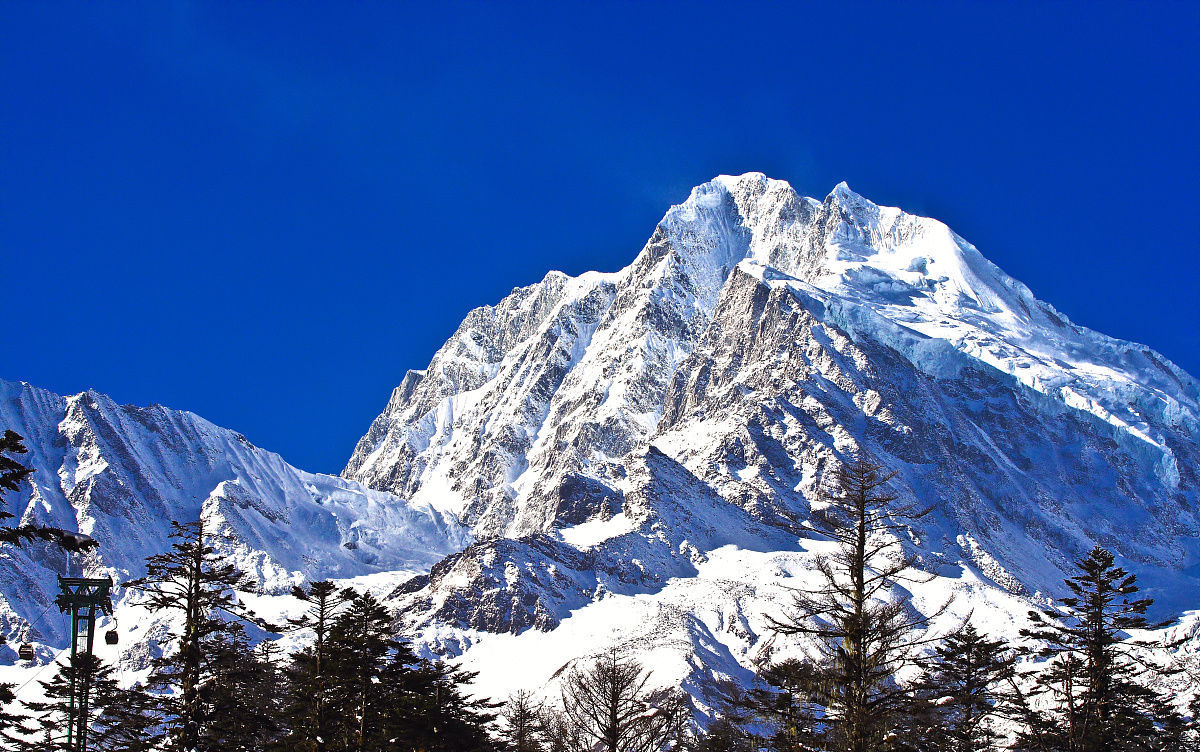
735, 183
843, 189
614, 341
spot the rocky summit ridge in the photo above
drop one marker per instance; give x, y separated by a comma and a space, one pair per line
626, 456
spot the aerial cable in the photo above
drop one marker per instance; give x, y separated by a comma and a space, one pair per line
34, 623
25, 652
53, 661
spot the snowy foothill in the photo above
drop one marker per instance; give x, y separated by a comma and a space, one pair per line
123, 474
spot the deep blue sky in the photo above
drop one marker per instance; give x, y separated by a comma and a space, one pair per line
265, 213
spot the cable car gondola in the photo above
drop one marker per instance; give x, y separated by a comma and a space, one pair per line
110, 637
26, 652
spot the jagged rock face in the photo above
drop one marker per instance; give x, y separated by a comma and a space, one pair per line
643, 422
561, 377
1019, 484
659, 533
121, 474
567, 376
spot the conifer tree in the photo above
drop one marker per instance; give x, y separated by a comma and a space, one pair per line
783, 703
522, 731
435, 713
12, 475
726, 734
610, 706
192, 581
377, 694
309, 710
13, 723
129, 723
864, 640
361, 643
968, 689
241, 698
49, 723
1189, 733
1093, 679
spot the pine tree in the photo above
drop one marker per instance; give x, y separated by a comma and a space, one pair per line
864, 639
360, 643
49, 723
610, 706
968, 689
192, 581
725, 734
1094, 680
916, 725
241, 698
783, 703
129, 723
309, 708
432, 710
522, 731
377, 694
1189, 733
13, 723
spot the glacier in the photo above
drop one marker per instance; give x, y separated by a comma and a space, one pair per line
628, 456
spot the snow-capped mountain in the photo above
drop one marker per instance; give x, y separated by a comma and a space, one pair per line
121, 474
625, 456
648, 437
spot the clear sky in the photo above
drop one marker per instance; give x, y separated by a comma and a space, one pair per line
266, 212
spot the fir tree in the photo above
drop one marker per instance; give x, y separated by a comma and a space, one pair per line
241, 697
864, 639
782, 703
1189, 732
522, 730
129, 723
968, 690
433, 711
309, 710
360, 643
50, 719
610, 706
725, 734
192, 581
11, 723
1093, 679
374, 693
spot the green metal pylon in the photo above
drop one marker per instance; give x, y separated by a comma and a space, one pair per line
82, 597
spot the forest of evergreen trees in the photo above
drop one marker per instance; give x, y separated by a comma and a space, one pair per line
1077, 683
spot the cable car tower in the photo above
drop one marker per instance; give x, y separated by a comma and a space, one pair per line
82, 598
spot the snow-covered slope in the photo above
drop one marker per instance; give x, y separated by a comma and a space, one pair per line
609, 437
122, 473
